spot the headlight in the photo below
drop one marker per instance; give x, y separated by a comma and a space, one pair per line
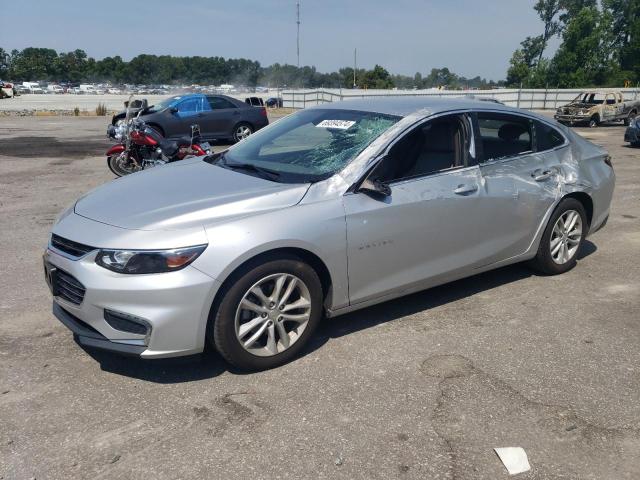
148, 261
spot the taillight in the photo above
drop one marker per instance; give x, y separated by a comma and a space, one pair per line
607, 160
263, 111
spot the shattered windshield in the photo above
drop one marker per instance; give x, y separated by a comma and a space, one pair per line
309, 145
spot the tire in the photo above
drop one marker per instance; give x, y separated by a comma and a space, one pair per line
629, 120
553, 263
117, 165
240, 131
229, 314
594, 121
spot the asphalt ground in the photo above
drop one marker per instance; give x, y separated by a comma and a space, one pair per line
420, 387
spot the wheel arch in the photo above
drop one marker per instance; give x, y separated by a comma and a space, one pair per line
586, 201
242, 122
158, 128
310, 258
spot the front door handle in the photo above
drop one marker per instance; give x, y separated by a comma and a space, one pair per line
465, 189
540, 176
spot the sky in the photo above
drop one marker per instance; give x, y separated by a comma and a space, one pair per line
470, 37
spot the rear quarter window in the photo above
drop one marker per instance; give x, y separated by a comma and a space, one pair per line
547, 137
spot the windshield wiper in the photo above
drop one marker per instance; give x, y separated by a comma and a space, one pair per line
269, 174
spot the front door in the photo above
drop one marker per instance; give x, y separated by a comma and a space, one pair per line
189, 113
427, 229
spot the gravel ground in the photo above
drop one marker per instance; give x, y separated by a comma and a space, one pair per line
421, 387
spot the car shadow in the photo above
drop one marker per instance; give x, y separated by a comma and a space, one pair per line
209, 364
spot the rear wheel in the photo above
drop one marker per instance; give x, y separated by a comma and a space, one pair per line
267, 315
562, 239
242, 131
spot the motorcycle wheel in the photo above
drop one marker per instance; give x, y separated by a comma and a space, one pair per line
121, 165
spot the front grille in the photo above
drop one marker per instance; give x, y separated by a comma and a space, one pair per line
68, 288
70, 247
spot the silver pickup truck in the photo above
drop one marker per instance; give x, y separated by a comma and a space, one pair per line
595, 107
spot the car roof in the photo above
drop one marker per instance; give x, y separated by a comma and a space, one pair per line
406, 105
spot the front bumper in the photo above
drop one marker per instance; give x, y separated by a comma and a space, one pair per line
89, 337
174, 305
572, 119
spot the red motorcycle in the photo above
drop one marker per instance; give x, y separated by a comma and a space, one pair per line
141, 147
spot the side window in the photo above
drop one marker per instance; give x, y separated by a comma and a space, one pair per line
435, 146
189, 106
219, 103
547, 137
503, 135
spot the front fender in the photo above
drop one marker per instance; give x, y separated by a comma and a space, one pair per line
317, 228
115, 150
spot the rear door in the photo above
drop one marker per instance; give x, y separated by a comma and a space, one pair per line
518, 184
222, 117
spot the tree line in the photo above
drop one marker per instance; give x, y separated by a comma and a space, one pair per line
599, 45
45, 64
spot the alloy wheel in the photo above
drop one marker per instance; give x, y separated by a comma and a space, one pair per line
566, 237
242, 132
272, 314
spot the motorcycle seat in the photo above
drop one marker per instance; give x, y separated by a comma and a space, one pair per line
184, 141
169, 147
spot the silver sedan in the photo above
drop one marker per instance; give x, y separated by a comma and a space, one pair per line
329, 210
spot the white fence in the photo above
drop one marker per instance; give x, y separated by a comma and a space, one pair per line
532, 99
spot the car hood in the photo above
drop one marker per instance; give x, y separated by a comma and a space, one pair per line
184, 195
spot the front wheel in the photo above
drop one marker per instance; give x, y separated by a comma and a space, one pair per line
242, 131
122, 164
267, 315
562, 239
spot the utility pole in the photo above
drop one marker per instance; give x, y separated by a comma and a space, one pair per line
355, 65
298, 37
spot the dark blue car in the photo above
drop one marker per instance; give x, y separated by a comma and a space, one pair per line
219, 117
632, 134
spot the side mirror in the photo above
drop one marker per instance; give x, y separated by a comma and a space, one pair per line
173, 110
376, 189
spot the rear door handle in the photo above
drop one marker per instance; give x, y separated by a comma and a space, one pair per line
465, 189
540, 176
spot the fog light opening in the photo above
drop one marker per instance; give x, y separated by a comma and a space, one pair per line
127, 323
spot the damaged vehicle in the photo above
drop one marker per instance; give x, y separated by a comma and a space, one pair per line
329, 210
594, 108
